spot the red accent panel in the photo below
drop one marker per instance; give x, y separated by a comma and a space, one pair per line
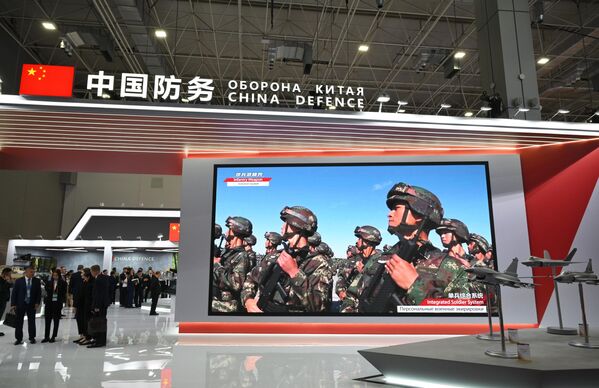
324, 153
174, 232
558, 183
338, 328
90, 161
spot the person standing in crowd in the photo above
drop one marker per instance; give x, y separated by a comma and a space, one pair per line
139, 287
123, 288
5, 285
155, 291
26, 298
83, 305
114, 282
76, 282
130, 287
56, 294
100, 303
146, 283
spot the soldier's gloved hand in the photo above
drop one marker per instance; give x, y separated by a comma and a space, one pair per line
216, 260
403, 273
359, 266
251, 305
288, 264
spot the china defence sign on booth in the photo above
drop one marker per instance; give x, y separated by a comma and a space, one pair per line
45, 80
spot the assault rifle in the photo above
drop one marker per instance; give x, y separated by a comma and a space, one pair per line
383, 292
273, 280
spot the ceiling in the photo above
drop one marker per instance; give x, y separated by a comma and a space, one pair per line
226, 39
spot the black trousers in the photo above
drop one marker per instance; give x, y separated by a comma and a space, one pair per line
100, 338
80, 317
146, 293
139, 294
154, 303
52, 313
29, 310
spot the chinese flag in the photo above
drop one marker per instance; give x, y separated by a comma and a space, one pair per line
45, 80
173, 232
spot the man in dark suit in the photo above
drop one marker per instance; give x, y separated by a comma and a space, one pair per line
76, 281
56, 296
26, 298
100, 302
155, 291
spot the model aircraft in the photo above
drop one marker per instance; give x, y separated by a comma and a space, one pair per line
491, 277
583, 277
546, 261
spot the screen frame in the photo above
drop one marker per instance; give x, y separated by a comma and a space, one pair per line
215, 168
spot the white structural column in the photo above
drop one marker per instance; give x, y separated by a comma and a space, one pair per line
506, 55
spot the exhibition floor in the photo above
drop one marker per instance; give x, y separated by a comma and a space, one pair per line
146, 351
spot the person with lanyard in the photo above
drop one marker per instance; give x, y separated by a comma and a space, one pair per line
25, 299
56, 294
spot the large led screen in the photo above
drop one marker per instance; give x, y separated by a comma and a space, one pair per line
350, 239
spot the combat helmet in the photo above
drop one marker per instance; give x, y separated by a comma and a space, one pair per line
457, 227
274, 238
240, 226
481, 243
300, 218
314, 240
370, 234
218, 231
419, 200
324, 249
250, 240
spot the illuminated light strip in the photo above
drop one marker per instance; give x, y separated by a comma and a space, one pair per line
318, 128
45, 137
281, 132
119, 213
392, 119
166, 143
157, 149
265, 128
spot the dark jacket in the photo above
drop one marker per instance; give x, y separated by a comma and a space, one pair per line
101, 292
4, 290
155, 287
76, 283
61, 290
19, 292
87, 295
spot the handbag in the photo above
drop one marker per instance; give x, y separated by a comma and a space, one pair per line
97, 325
10, 319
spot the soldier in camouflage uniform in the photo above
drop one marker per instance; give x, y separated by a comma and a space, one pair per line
230, 270
314, 241
249, 243
271, 245
453, 234
307, 277
218, 234
478, 247
352, 281
428, 273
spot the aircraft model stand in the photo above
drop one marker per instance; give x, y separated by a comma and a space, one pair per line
503, 352
490, 336
561, 329
586, 344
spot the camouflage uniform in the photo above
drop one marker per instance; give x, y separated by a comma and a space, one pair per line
308, 291
227, 280
359, 282
346, 273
